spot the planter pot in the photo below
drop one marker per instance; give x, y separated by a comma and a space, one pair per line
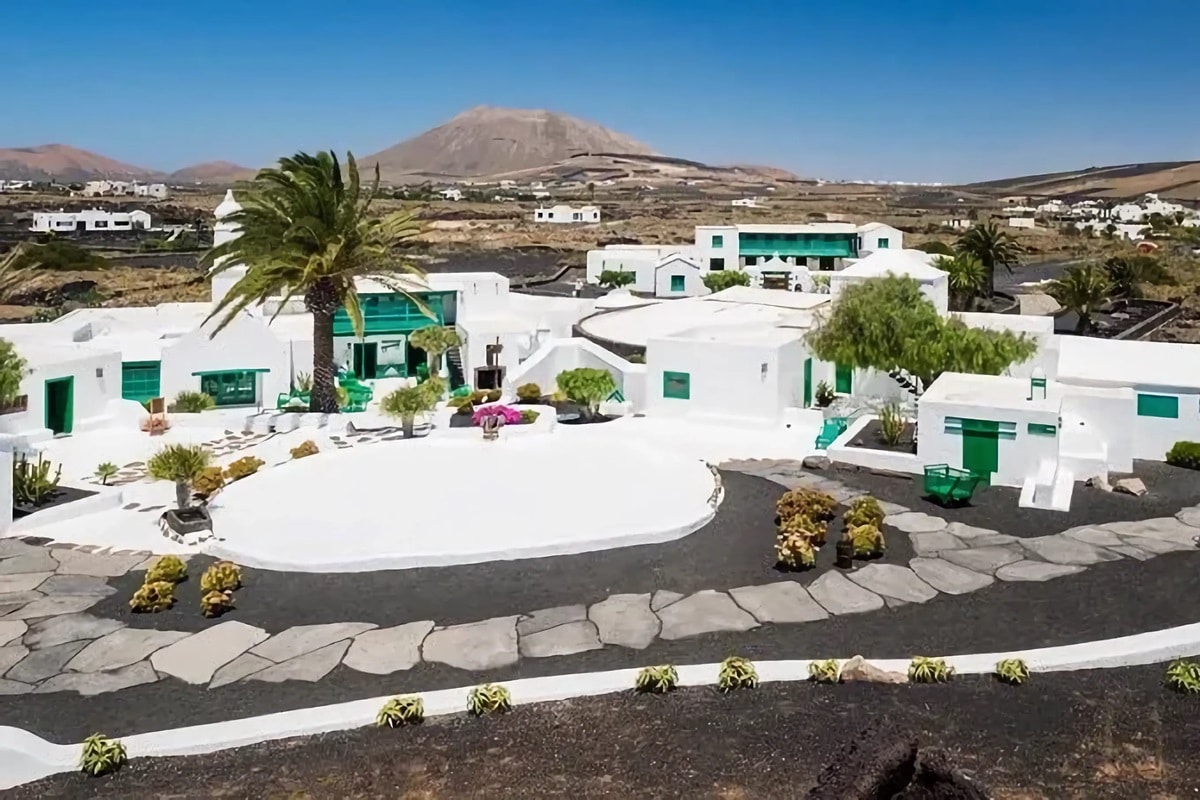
845, 554
187, 525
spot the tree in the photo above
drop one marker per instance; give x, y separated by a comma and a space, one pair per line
12, 372
887, 324
434, 340
1082, 289
306, 229
993, 247
723, 279
405, 403
615, 278
587, 386
936, 248
966, 278
179, 463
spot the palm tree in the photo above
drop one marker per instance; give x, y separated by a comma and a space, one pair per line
993, 247
306, 230
179, 463
434, 340
966, 277
1082, 289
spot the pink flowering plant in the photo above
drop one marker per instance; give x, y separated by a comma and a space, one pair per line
510, 415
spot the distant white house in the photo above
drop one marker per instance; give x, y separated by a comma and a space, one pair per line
1022, 222
107, 188
567, 214
747, 202
91, 220
877, 236
451, 194
158, 191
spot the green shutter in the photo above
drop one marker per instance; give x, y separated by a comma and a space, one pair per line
238, 388
677, 283
677, 385
1158, 405
883, 244
1038, 429
141, 380
718, 241
843, 379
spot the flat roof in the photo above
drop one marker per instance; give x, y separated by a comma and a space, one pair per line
775, 298
1168, 365
799, 227
990, 391
1017, 323
911, 263
740, 334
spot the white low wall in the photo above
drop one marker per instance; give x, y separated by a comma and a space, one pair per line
840, 452
105, 499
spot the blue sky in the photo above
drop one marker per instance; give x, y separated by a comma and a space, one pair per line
949, 90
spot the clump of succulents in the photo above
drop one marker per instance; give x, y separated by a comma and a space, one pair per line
737, 673
490, 698
815, 530
826, 671
864, 511
101, 755
105, 471
929, 670
867, 541
657, 680
305, 449
1183, 676
167, 568
150, 598
400, 711
243, 467
1012, 671
214, 604
807, 502
529, 393
208, 482
795, 551
223, 576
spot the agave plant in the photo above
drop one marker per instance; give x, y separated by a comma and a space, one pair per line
490, 698
105, 472
400, 711
101, 755
826, 671
179, 463
1012, 671
737, 673
929, 670
656, 680
1184, 676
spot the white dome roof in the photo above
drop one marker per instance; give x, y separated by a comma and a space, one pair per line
228, 206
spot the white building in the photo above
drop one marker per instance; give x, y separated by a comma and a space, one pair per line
1022, 222
877, 236
451, 194
914, 264
157, 191
90, 221
106, 188
567, 214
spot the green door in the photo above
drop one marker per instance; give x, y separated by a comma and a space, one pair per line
365, 360
981, 447
808, 388
60, 404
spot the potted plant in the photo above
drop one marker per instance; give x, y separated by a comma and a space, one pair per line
824, 395
182, 464
844, 551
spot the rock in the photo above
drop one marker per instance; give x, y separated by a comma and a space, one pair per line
477, 646
37, 560
1061, 549
67, 585
1189, 516
311, 666
563, 640
54, 606
662, 598
896, 582
982, 559
785, 601
1098, 482
122, 648
1154, 547
550, 618
11, 655
69, 628
10, 631
858, 669
302, 639
1129, 551
1035, 571
22, 581
968, 532
625, 620
197, 658
947, 577
992, 540
93, 683
241, 667
818, 462
915, 522
45, 663
101, 565
703, 612
838, 595
930, 544
13, 687
387, 650
1167, 529
1133, 486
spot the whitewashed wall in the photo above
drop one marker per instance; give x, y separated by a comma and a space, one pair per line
246, 343
558, 355
97, 380
1154, 436
1099, 416
1017, 458
693, 279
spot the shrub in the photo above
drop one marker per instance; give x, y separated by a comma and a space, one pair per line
1184, 676
867, 541
399, 711
478, 397
214, 604
864, 511
180, 464
826, 671
466, 409
171, 569
529, 416
33, 484
459, 401
529, 393
929, 670
208, 481
305, 449
737, 673
1012, 671
636, 358
824, 395
153, 597
490, 698
243, 467
891, 424
587, 386
106, 470
807, 502
191, 403
656, 680
101, 755
815, 530
223, 576
493, 396
795, 551
1184, 454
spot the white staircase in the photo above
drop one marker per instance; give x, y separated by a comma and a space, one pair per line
1050, 489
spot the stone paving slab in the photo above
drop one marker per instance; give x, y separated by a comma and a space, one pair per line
54, 606
8, 687
932, 543
982, 559
476, 646
968, 532
38, 561
949, 578
93, 683
782, 602
69, 628
11, 630
1129, 551
662, 598
563, 640
625, 620
1066, 550
1190, 516
101, 565
1167, 529
915, 522
241, 667
11, 655
839, 595
66, 585
45, 663
311, 666
548, 618
387, 650
196, 658
122, 648
1089, 534
1035, 571
1154, 547
301, 639
703, 612
15, 546
22, 581
894, 581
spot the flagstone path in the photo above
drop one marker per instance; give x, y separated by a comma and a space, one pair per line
50, 643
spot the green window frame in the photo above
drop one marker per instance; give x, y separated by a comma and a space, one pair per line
677, 385
718, 241
233, 388
141, 380
1164, 406
843, 379
1040, 429
716, 265
883, 243
677, 283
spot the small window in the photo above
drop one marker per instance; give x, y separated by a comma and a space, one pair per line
716, 264
1039, 429
1158, 405
883, 243
843, 379
677, 385
718, 241
677, 283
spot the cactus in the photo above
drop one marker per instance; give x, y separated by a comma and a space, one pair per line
153, 597
243, 467
168, 568
33, 485
305, 449
223, 576
795, 551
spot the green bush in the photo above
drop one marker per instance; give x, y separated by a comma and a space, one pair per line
825, 395
490, 698
656, 680
737, 673
493, 396
864, 511
171, 569
59, 254
529, 393
529, 416
191, 403
891, 424
1012, 671
826, 671
459, 401
1184, 454
807, 502
151, 598
929, 670
223, 576
399, 711
208, 481
101, 755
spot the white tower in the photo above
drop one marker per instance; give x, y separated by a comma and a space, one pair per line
225, 231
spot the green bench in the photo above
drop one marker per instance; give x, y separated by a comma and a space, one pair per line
950, 486
830, 431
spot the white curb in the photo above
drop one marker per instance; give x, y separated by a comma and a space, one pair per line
25, 757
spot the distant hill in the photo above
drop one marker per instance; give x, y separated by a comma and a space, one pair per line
1177, 180
650, 170
212, 172
489, 141
64, 163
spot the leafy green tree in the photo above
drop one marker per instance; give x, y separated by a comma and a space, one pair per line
13, 370
1083, 289
180, 464
307, 229
887, 324
935, 248
405, 403
587, 386
435, 340
615, 278
993, 247
723, 279
966, 278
